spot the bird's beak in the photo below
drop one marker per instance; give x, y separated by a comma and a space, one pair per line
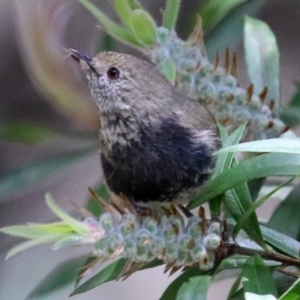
78, 56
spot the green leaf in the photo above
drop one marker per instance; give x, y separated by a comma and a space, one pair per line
31, 232
215, 205
293, 292
238, 295
111, 272
279, 145
230, 30
29, 244
283, 243
168, 69
25, 132
262, 57
225, 159
62, 275
237, 261
73, 223
120, 33
286, 211
39, 234
171, 14
224, 162
173, 288
153, 264
238, 201
143, 26
18, 181
195, 289
255, 187
135, 4
92, 259
273, 164
58, 227
258, 203
123, 10
85, 267
235, 287
257, 278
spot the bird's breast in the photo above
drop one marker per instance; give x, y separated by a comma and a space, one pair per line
159, 164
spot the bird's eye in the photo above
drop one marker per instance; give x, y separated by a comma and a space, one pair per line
113, 73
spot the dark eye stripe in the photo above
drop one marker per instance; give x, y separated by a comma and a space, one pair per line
113, 73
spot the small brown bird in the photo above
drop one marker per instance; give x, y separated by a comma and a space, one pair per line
156, 144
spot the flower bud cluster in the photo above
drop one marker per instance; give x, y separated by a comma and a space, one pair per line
216, 87
170, 238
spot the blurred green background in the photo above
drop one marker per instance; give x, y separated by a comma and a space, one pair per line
61, 147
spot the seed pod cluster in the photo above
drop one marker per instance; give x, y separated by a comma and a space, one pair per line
172, 238
216, 86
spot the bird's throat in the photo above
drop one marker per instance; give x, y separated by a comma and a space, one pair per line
117, 128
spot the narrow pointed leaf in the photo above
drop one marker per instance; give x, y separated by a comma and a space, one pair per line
123, 10
168, 69
238, 295
273, 164
224, 162
171, 14
120, 33
58, 227
88, 262
143, 27
257, 204
280, 145
195, 289
29, 244
282, 242
262, 57
29, 232
111, 272
173, 288
135, 4
238, 201
235, 287
257, 278
73, 223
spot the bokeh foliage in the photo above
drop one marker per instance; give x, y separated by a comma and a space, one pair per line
228, 193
